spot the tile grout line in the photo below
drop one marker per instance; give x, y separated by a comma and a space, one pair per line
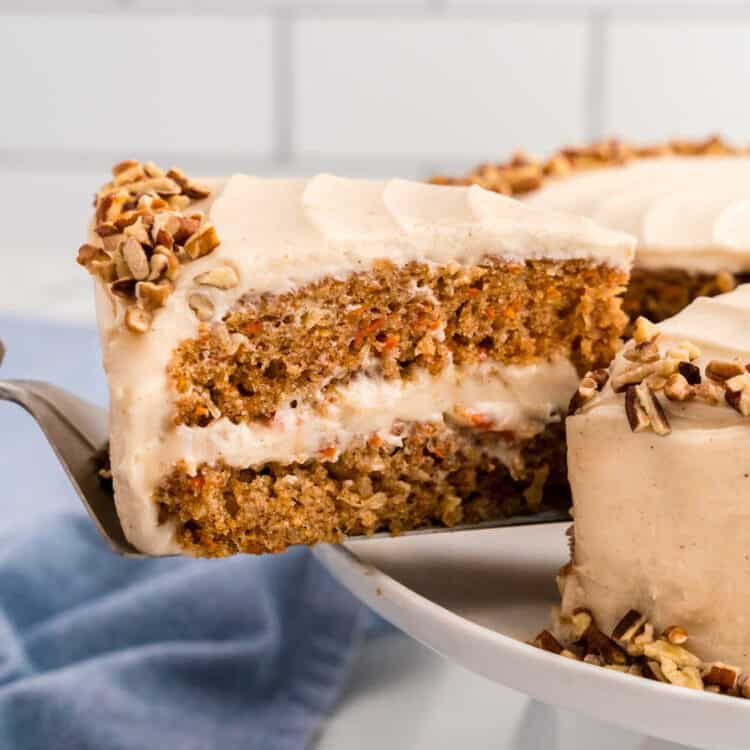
282, 85
658, 11
595, 75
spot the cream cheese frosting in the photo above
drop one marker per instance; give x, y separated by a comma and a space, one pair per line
686, 212
662, 524
278, 235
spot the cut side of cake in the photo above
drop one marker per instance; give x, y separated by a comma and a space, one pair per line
295, 361
687, 203
660, 477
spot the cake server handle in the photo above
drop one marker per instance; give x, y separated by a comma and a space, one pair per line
77, 431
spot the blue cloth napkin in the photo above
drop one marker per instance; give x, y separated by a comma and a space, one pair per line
111, 654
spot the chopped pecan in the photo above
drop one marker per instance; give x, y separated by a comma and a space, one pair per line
646, 351
629, 625
124, 166
136, 258
129, 174
604, 646
105, 268
158, 265
87, 253
656, 382
725, 281
653, 408
221, 277
662, 649
722, 370
722, 675
652, 671
164, 187
738, 383
164, 239
126, 218
693, 351
592, 381
690, 372
204, 241
179, 202
124, 287
638, 373
173, 263
644, 330
675, 635
152, 170
710, 392
546, 641
106, 229
187, 227
137, 320
139, 231
677, 388
637, 416
189, 188
201, 305
634, 647
739, 401
688, 677
580, 622
151, 295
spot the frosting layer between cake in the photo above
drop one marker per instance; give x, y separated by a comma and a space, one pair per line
662, 524
687, 212
518, 401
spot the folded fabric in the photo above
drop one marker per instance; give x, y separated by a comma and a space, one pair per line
101, 652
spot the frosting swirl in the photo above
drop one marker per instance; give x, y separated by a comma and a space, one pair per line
686, 212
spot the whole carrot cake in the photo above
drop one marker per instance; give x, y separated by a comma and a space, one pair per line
657, 463
688, 204
294, 361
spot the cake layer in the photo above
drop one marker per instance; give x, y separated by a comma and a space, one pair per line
395, 321
662, 519
436, 474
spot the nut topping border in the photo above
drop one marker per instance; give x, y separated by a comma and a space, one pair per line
636, 648
147, 234
524, 173
675, 374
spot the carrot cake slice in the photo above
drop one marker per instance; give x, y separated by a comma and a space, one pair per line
688, 204
294, 361
658, 466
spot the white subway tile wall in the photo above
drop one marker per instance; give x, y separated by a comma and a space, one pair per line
122, 83
448, 88
678, 77
361, 87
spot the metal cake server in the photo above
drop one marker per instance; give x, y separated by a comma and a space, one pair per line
78, 433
